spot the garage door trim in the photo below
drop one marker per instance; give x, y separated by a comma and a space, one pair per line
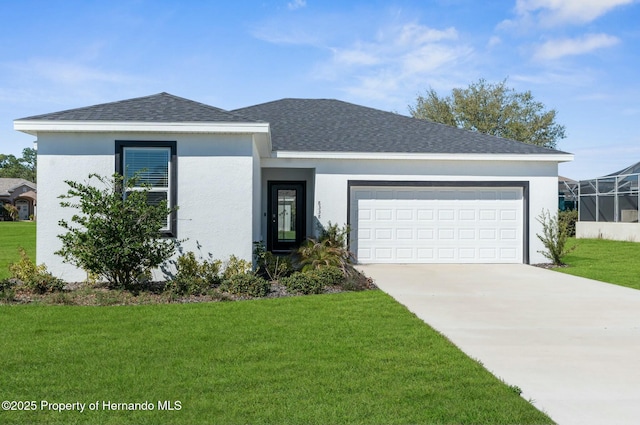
524, 185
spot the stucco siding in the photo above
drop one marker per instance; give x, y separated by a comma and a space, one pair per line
215, 190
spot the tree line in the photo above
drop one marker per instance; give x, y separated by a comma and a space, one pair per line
24, 167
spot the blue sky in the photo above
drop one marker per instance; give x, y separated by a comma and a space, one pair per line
580, 57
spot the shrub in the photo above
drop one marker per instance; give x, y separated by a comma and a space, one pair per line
246, 284
12, 211
554, 237
303, 283
194, 277
330, 249
34, 278
270, 265
328, 275
568, 218
236, 266
116, 235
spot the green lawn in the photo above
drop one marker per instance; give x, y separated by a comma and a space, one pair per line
14, 234
609, 261
356, 357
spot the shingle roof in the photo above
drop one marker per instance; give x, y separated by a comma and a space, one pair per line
161, 107
7, 184
326, 125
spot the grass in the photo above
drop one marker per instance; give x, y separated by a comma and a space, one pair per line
608, 261
349, 358
15, 234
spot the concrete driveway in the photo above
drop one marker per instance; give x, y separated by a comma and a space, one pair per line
571, 344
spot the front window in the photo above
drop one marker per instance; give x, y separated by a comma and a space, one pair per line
154, 165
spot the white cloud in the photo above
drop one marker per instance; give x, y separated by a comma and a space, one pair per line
296, 4
400, 57
66, 72
555, 12
555, 49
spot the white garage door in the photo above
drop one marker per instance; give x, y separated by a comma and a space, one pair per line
437, 224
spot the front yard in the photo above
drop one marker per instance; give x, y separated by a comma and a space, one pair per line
15, 234
356, 357
608, 261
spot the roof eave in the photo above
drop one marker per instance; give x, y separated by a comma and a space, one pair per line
34, 127
554, 157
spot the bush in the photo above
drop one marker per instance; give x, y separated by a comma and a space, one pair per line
34, 278
12, 211
328, 275
236, 266
116, 234
568, 218
330, 249
270, 265
246, 284
554, 237
302, 283
194, 277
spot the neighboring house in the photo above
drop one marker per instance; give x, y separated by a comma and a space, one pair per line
20, 193
609, 206
567, 194
412, 191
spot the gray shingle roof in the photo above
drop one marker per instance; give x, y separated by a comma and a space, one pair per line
8, 184
326, 125
161, 107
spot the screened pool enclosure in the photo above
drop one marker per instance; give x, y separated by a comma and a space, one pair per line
612, 198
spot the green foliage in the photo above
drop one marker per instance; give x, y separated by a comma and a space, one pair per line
554, 237
20, 168
330, 249
303, 283
115, 237
328, 275
492, 109
12, 211
269, 265
236, 266
194, 277
569, 218
246, 284
34, 278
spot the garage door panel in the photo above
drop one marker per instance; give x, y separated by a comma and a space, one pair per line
437, 225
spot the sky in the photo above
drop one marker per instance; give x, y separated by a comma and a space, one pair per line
579, 57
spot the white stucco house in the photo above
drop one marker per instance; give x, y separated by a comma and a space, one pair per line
412, 191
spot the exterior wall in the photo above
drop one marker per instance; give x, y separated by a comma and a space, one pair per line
215, 195
615, 231
332, 176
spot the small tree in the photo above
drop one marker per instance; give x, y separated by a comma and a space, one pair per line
554, 237
117, 235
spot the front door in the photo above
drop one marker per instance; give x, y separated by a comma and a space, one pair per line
23, 210
285, 215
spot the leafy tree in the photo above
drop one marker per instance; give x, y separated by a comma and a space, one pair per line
22, 168
115, 236
492, 109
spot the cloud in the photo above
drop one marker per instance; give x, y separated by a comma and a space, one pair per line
555, 49
66, 72
296, 4
557, 12
397, 58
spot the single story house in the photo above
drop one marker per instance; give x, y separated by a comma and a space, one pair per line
20, 193
411, 191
